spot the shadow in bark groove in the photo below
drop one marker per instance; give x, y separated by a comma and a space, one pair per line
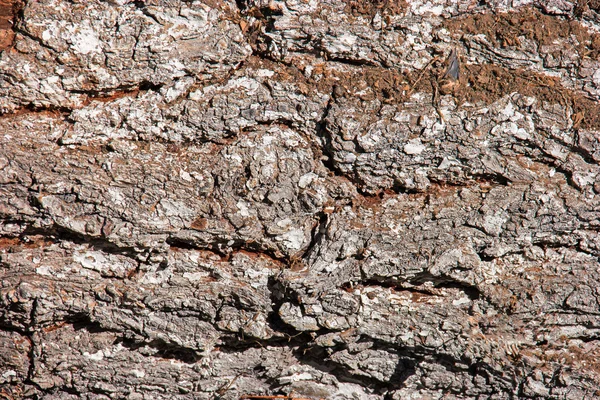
82, 321
324, 135
318, 358
471, 291
439, 282
120, 91
218, 245
408, 364
58, 234
317, 234
281, 294
162, 349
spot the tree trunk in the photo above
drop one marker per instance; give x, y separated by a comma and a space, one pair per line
339, 199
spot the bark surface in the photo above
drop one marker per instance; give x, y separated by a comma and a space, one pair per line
320, 199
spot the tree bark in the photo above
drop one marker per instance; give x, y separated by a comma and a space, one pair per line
340, 199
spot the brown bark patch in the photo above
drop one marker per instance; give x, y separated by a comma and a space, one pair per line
8, 12
31, 242
487, 83
505, 30
371, 7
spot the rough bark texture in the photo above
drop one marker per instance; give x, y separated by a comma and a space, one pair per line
212, 199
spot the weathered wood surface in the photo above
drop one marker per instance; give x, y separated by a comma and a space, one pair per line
210, 199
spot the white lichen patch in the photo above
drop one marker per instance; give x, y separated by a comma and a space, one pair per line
105, 264
414, 146
492, 223
86, 41
293, 239
306, 179
243, 208
97, 356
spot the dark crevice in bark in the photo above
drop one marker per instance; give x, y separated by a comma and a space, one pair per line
226, 250
238, 343
285, 123
242, 5
61, 112
324, 136
142, 6
57, 233
163, 349
551, 161
64, 112
286, 335
575, 148
349, 61
33, 313
83, 321
317, 234
33, 345
9, 328
485, 257
415, 285
494, 179
568, 176
420, 354
319, 358
120, 91
280, 294
28, 334
29, 380
17, 28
